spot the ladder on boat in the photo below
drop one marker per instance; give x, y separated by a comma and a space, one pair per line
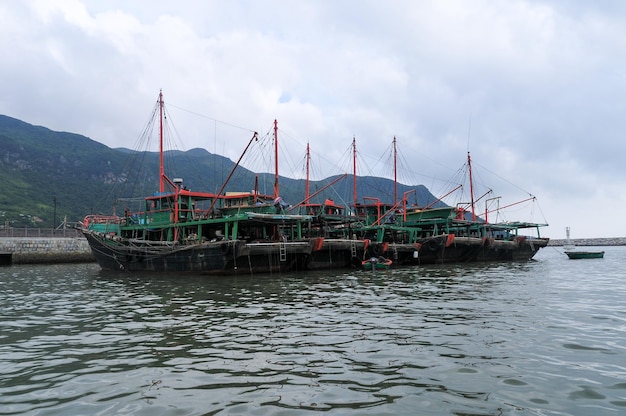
282, 249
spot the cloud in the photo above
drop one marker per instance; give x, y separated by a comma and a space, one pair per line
533, 89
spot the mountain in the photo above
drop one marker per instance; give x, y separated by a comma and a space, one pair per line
47, 176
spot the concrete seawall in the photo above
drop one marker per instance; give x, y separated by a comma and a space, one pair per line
616, 241
33, 250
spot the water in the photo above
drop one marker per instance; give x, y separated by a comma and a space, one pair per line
546, 337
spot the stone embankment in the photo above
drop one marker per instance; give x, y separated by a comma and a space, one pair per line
618, 241
32, 250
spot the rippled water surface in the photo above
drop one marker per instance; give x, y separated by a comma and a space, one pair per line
547, 337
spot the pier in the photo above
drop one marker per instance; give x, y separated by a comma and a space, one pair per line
42, 246
616, 241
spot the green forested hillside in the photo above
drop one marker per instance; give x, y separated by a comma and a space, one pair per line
38, 165
41, 168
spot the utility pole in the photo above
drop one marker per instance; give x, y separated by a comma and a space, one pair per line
54, 218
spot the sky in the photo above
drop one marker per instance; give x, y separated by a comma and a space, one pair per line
534, 90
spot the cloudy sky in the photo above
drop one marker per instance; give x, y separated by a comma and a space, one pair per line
534, 89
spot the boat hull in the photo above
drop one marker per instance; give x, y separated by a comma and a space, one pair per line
330, 253
222, 257
578, 255
440, 249
448, 249
518, 249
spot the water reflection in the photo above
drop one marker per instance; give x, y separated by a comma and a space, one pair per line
481, 339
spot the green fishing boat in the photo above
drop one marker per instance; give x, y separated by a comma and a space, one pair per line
377, 263
576, 255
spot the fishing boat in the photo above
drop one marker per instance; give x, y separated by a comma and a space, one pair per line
376, 263
577, 255
332, 228
445, 234
178, 230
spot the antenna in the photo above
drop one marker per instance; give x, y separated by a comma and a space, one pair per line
469, 131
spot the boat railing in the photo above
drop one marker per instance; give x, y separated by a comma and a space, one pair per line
26, 232
102, 219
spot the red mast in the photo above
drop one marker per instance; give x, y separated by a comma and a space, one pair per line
395, 173
469, 166
161, 167
276, 193
354, 164
306, 185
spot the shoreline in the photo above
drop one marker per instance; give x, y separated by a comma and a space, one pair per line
616, 241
